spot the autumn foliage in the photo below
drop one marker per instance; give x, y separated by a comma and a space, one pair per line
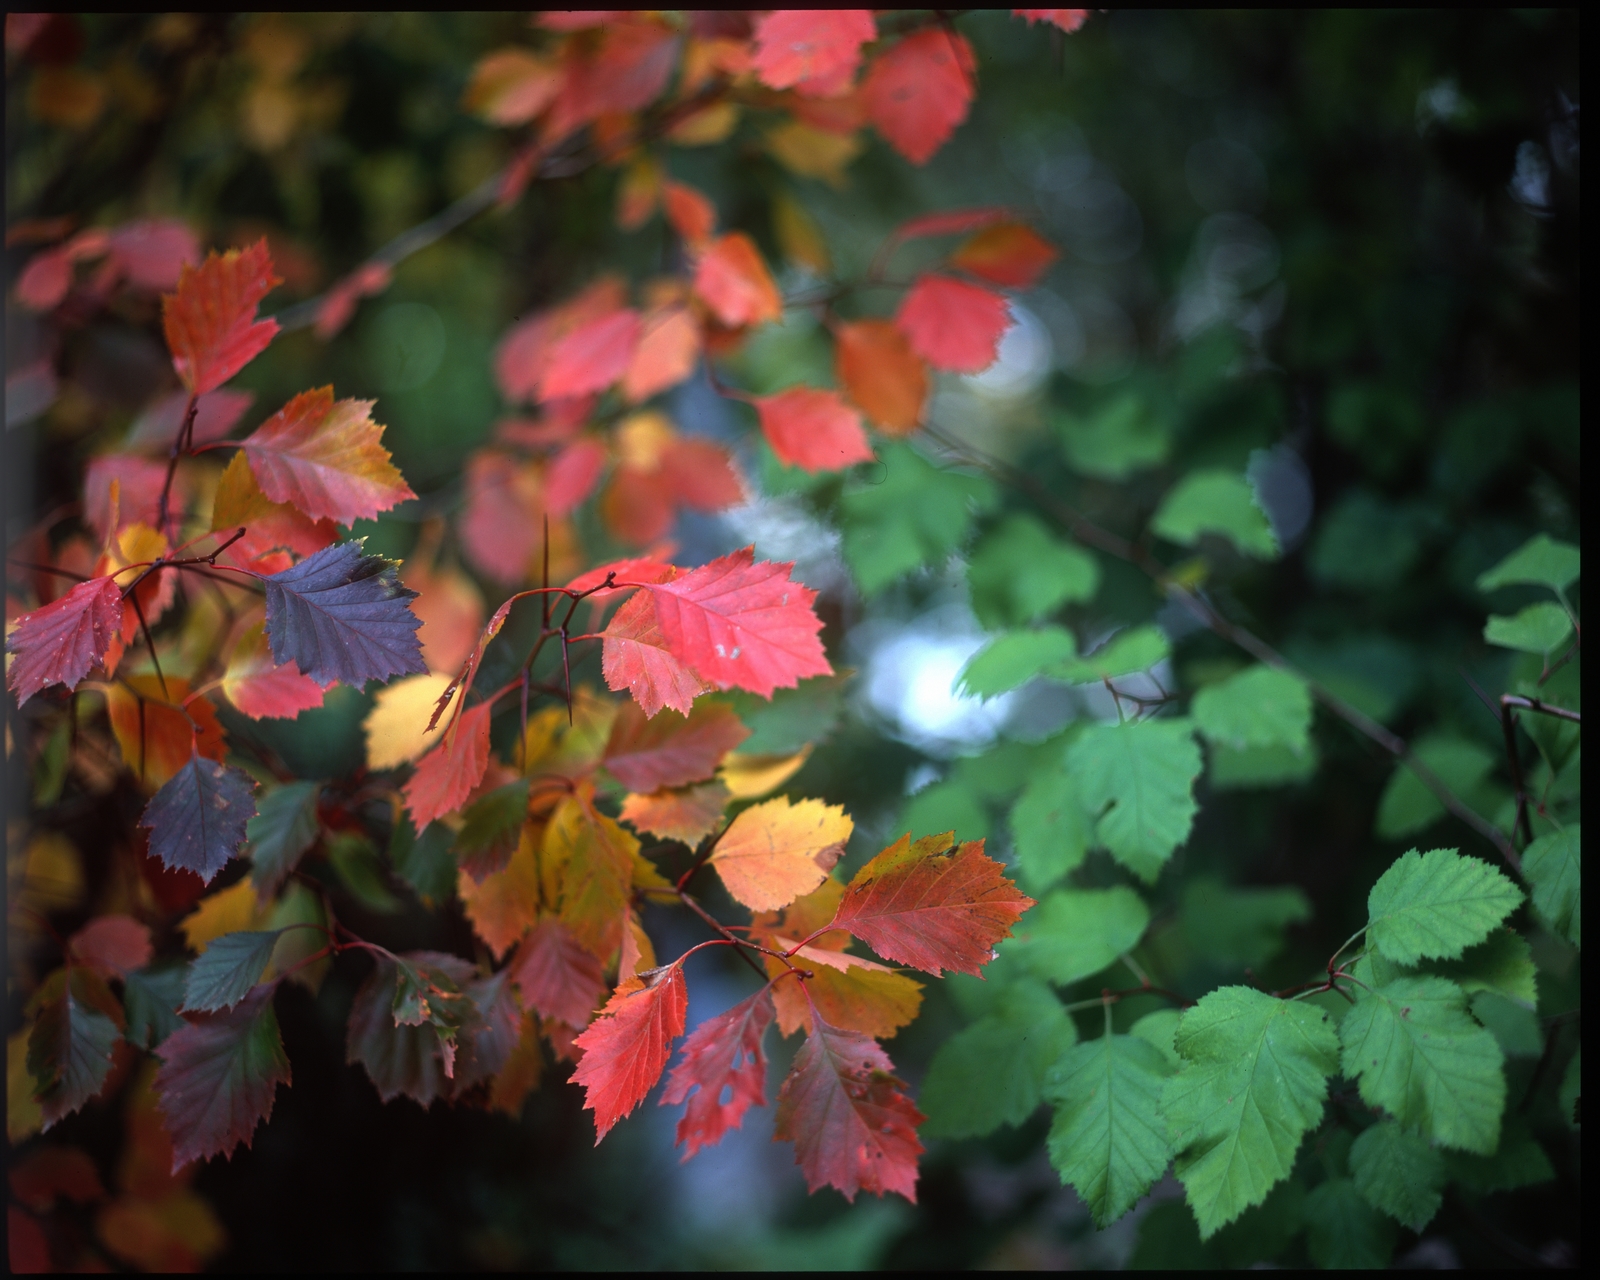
215, 568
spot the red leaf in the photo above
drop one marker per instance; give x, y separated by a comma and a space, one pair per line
326, 458
139, 482
636, 657
669, 751
503, 524
632, 572
882, 374
154, 252
263, 688
61, 642
447, 775
627, 1046
1010, 254
268, 526
813, 429
742, 625
668, 350
216, 412
210, 321
692, 215
950, 222
919, 905
815, 51
591, 357
572, 476
47, 1174
519, 361
702, 475
627, 71
723, 1053
1069, 20
852, 1126
219, 1076
952, 324
27, 1246
557, 975
919, 91
116, 945
735, 282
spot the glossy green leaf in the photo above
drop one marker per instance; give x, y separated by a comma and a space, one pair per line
990, 1073
228, 969
1435, 905
1220, 502
1139, 777
1553, 865
1541, 561
1136, 649
1020, 572
1050, 829
284, 827
1343, 1231
1540, 628
1073, 933
1259, 707
1420, 1056
1109, 1138
1399, 1173
1253, 1082
1408, 805
1015, 658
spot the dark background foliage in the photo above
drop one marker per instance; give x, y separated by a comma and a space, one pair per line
1347, 239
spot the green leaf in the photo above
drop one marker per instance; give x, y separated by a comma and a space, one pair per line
1015, 658
1253, 1082
1050, 828
1398, 1173
1365, 544
990, 1074
906, 513
152, 998
949, 805
1541, 561
1136, 649
1169, 1240
1553, 866
1073, 933
1215, 501
1343, 1231
1109, 1139
1502, 963
1513, 1025
424, 861
1161, 1029
1238, 927
1408, 806
355, 862
1123, 437
1435, 905
1519, 1161
1020, 573
1259, 707
75, 1030
1421, 1057
227, 970
792, 717
284, 827
1139, 777
490, 828
1234, 770
1540, 628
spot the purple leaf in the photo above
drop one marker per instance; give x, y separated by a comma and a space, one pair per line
340, 615
197, 820
70, 1047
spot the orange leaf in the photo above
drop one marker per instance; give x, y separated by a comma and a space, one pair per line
636, 657
159, 743
776, 852
557, 975
448, 602
626, 1048
638, 506
62, 641
591, 357
268, 525
920, 90
688, 814
735, 282
668, 351
882, 374
210, 321
952, 324
639, 192
116, 945
446, 776
814, 51
262, 688
692, 215
846, 990
702, 475
646, 754
1010, 254
504, 904
511, 86
919, 905
813, 429
326, 458
852, 1125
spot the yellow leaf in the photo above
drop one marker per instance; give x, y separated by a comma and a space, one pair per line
504, 905
776, 852
397, 725
849, 992
52, 875
23, 1116
748, 777
813, 152
228, 911
799, 236
706, 127
587, 867
177, 1232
